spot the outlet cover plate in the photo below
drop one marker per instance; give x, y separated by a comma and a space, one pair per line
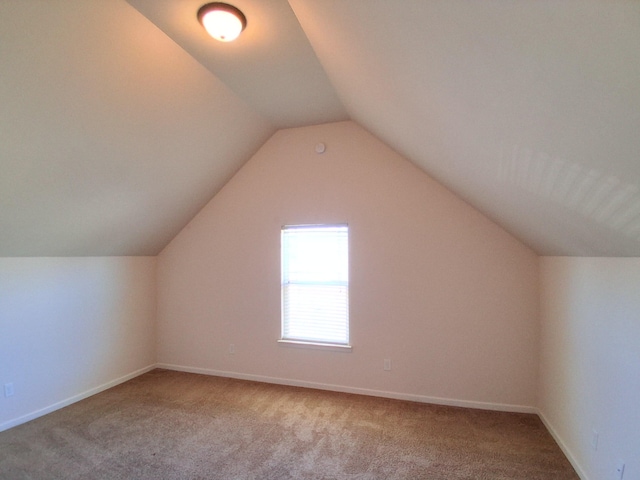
8, 390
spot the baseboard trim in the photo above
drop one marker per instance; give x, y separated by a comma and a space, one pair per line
359, 391
301, 383
567, 452
76, 398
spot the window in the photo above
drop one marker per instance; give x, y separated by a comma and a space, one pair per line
315, 284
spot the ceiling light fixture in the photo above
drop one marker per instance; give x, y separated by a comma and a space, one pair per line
222, 21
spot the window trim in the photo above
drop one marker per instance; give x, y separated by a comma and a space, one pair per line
304, 343
338, 347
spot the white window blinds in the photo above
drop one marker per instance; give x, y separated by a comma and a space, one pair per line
315, 283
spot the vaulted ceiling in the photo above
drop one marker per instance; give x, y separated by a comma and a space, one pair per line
120, 120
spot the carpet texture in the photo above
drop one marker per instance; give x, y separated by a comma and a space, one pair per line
173, 425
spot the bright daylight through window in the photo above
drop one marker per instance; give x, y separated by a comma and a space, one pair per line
315, 284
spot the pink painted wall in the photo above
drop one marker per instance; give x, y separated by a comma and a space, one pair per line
445, 293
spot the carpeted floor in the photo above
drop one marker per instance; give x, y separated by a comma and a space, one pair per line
172, 425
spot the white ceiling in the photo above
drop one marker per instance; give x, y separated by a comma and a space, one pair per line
271, 65
111, 136
529, 110
119, 123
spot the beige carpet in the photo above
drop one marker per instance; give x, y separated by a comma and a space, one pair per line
171, 425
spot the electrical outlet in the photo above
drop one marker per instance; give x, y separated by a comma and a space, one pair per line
8, 390
232, 348
620, 471
387, 364
594, 439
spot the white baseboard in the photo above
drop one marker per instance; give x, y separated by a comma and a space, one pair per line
76, 398
563, 446
359, 391
284, 381
301, 383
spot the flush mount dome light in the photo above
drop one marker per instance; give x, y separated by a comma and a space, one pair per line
222, 21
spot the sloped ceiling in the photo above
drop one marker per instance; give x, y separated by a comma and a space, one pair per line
119, 123
111, 136
530, 110
271, 65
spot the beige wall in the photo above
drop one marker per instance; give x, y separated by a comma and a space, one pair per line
70, 327
447, 295
590, 361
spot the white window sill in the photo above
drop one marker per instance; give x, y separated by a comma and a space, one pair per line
316, 345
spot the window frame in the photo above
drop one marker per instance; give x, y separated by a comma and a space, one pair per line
284, 263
